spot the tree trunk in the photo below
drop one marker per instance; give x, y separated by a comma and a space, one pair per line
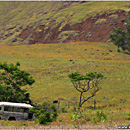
94, 104
80, 99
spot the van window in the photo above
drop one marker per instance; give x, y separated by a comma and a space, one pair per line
15, 109
5, 108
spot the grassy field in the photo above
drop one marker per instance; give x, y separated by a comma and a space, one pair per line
50, 65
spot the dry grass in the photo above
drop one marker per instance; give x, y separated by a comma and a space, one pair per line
50, 65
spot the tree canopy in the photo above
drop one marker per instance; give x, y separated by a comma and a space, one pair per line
84, 83
120, 37
11, 80
45, 114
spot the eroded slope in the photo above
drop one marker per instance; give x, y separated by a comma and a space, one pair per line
56, 22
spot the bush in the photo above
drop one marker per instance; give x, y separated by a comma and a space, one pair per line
100, 117
94, 120
128, 117
118, 50
45, 114
63, 110
87, 119
121, 37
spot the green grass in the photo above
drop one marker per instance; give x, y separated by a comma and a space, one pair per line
100, 21
65, 34
24, 12
50, 65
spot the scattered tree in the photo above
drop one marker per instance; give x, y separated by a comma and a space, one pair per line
84, 83
120, 37
11, 79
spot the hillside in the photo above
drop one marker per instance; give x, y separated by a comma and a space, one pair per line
57, 22
50, 65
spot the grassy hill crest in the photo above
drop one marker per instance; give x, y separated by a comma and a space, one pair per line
45, 22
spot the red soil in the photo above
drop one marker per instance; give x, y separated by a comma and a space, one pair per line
98, 33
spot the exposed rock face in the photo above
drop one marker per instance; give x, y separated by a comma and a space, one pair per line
93, 29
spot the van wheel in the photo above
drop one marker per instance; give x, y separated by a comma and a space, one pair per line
11, 118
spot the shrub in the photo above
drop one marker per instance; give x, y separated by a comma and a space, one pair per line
63, 110
128, 117
60, 120
94, 120
101, 117
45, 114
87, 119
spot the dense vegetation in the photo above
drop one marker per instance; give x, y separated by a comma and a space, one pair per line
45, 114
120, 37
11, 80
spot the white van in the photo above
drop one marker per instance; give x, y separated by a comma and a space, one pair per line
15, 111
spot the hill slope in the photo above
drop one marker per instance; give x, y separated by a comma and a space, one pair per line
56, 22
50, 65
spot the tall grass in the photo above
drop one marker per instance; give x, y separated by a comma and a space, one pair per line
50, 65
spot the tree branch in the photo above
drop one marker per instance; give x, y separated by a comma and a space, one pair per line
76, 86
88, 86
89, 97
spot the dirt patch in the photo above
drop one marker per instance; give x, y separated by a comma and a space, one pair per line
93, 29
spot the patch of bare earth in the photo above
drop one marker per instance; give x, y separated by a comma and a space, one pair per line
88, 30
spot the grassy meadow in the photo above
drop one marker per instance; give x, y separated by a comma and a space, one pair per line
50, 65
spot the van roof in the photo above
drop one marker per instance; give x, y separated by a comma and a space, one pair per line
24, 105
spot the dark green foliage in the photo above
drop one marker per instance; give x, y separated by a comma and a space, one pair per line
118, 50
87, 119
128, 117
101, 116
11, 79
120, 37
89, 76
63, 110
45, 114
94, 120
60, 120
77, 115
85, 83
